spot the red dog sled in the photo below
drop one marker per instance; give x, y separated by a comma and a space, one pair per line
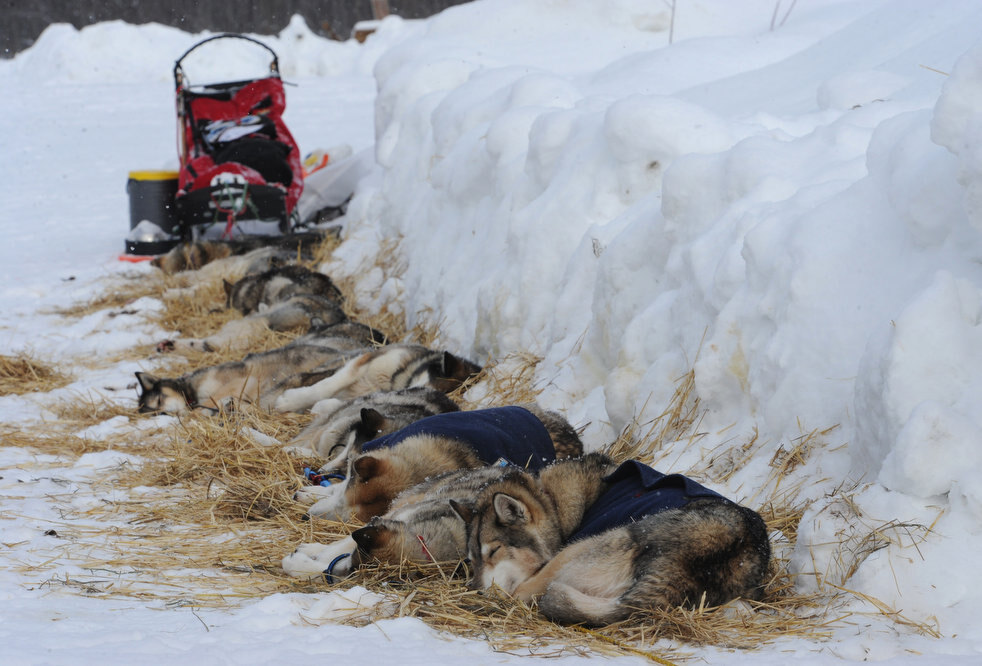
241, 169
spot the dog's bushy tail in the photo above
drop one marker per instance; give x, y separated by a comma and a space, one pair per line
708, 552
566, 604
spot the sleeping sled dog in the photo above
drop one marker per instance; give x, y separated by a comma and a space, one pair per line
595, 542
421, 526
388, 368
262, 377
276, 285
376, 472
281, 298
247, 380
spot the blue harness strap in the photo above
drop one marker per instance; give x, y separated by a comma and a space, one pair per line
636, 491
511, 433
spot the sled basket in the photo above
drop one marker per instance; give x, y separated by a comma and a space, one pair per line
240, 168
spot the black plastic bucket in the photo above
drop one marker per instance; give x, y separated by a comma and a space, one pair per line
152, 198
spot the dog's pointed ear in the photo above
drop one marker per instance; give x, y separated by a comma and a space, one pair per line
458, 368
367, 467
510, 511
147, 381
365, 537
369, 536
465, 511
372, 423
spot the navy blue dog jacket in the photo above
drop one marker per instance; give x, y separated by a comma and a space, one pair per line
511, 433
636, 491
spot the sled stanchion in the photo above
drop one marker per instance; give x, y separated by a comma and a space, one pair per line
274, 66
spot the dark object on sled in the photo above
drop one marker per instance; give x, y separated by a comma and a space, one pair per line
239, 162
151, 195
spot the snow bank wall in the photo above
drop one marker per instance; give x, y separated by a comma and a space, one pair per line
806, 239
793, 213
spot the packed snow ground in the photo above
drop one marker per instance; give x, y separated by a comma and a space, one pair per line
786, 198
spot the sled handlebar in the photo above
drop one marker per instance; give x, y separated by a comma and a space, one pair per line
274, 65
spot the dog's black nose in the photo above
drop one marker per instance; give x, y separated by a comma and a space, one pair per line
305, 517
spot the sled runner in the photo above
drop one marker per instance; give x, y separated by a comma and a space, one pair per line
240, 168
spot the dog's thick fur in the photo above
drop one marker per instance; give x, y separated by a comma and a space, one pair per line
324, 332
388, 368
421, 526
191, 256
277, 285
375, 478
249, 380
522, 539
343, 423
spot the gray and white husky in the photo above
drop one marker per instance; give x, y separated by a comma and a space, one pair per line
388, 368
421, 526
254, 379
279, 284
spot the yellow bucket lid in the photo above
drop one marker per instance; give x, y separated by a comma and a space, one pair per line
153, 175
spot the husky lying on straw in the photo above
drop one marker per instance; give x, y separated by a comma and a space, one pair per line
376, 472
421, 526
594, 542
263, 378
277, 285
249, 380
388, 368
282, 298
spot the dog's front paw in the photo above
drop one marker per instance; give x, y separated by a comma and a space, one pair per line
326, 406
292, 400
316, 559
299, 451
312, 494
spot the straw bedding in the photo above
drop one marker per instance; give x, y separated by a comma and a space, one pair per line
221, 515
25, 374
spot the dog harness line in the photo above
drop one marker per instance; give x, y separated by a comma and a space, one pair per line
318, 479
